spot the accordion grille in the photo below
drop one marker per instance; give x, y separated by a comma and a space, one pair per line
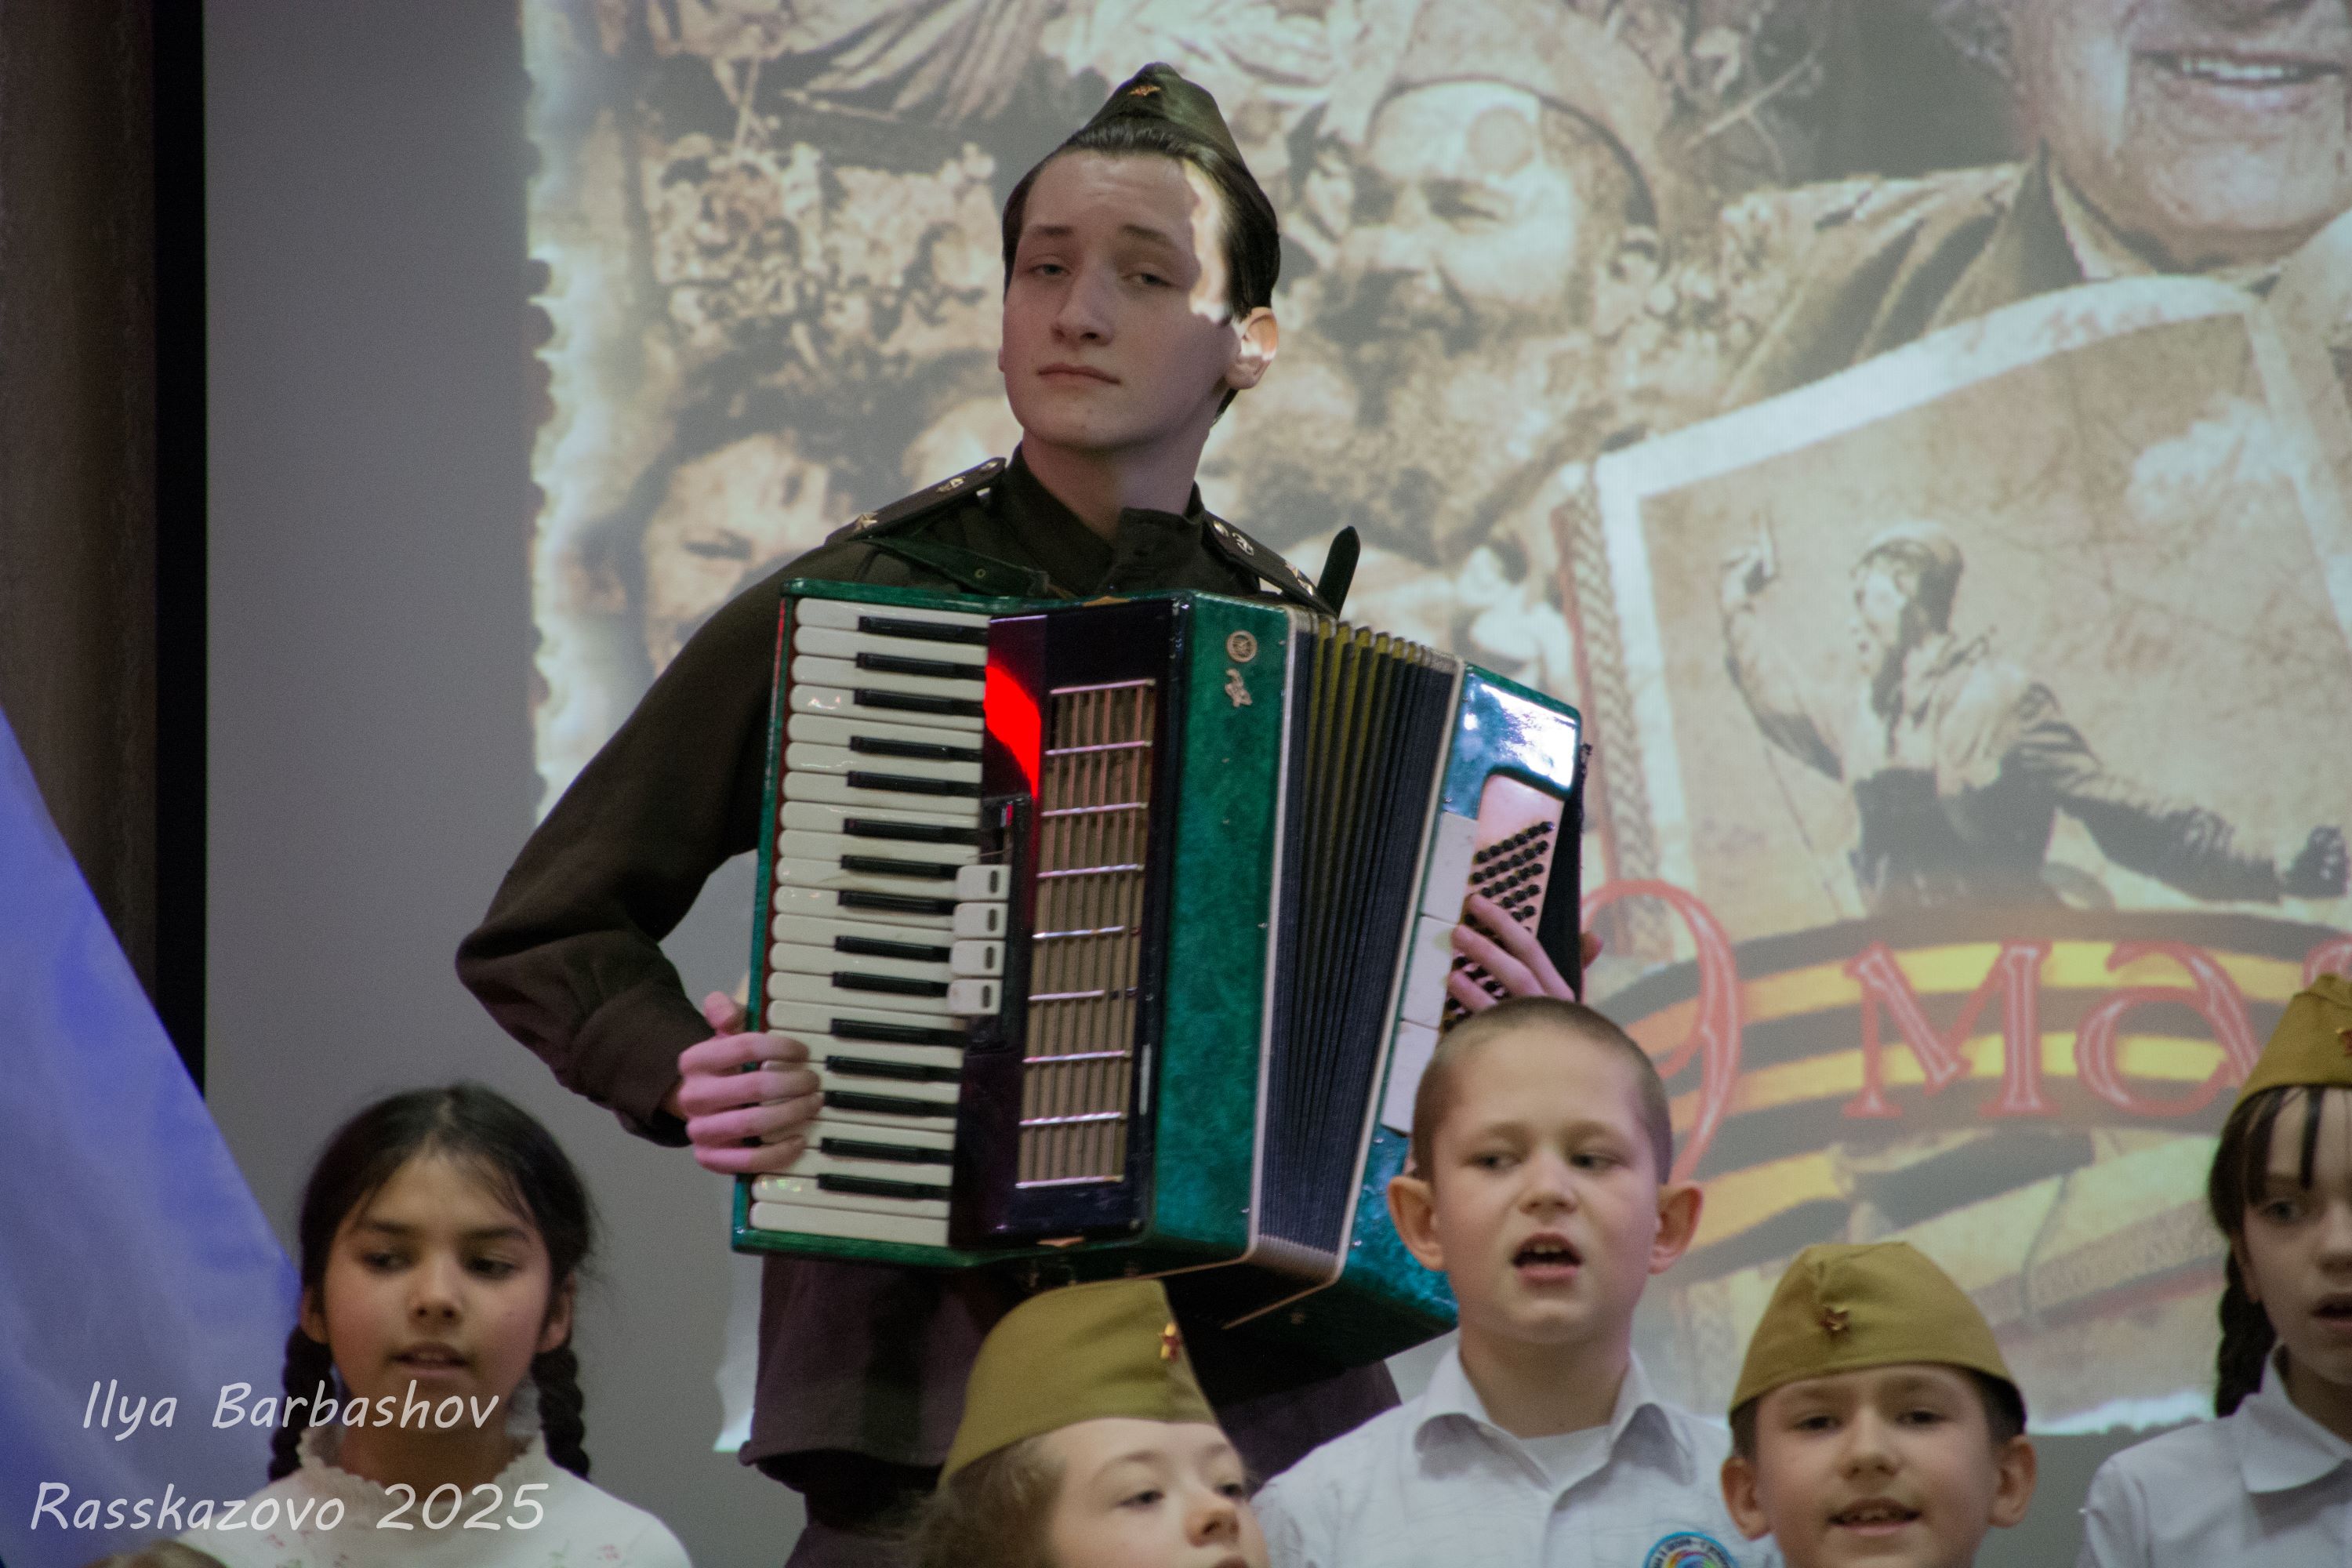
1093, 814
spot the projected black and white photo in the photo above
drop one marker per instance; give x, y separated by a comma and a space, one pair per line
1911, 432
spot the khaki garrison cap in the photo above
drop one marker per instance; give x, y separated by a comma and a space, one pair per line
1077, 1354
2312, 1042
1160, 92
1845, 1308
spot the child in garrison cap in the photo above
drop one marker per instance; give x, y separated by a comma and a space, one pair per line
2271, 1482
1087, 1443
1541, 1184
1874, 1420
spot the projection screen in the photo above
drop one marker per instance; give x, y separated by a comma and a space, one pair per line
1911, 432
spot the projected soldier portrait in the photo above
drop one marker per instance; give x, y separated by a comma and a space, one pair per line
2169, 136
1929, 635
1503, 225
1959, 761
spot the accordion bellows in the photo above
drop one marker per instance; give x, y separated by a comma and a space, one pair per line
1119, 935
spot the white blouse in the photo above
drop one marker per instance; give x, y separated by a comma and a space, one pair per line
541, 1516
2266, 1485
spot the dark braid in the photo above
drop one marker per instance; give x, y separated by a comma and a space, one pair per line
309, 1364
2246, 1341
488, 1132
561, 1402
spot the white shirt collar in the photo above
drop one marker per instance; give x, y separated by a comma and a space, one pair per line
1451, 1397
2280, 1448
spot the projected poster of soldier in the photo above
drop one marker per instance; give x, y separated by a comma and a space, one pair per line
1943, 676
771, 252
1528, 241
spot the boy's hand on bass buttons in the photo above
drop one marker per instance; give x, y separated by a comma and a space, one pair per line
1512, 957
747, 1100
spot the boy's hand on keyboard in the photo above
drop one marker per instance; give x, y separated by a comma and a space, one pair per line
1512, 957
746, 1099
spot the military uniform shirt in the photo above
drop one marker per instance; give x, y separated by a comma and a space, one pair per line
2264, 1485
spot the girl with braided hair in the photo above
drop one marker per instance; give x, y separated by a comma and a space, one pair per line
2271, 1482
442, 1234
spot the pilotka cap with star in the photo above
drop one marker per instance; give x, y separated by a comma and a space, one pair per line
1160, 92
1843, 1307
2312, 1042
1075, 1355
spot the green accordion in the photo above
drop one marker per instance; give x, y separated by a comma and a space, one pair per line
1119, 935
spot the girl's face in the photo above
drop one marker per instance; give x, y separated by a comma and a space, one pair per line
436, 1281
2297, 1249
1150, 1494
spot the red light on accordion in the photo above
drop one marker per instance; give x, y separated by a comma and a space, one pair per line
1010, 711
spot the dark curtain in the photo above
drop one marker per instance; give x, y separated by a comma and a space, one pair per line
78, 477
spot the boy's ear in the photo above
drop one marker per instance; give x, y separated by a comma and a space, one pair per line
1260, 339
1678, 1207
558, 1327
1412, 1209
1739, 1499
2018, 1467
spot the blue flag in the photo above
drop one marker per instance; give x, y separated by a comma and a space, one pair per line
135, 1267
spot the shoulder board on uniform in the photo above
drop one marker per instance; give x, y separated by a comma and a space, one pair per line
907, 511
1251, 557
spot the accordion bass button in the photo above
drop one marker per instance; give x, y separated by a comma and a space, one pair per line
976, 958
974, 998
978, 920
975, 883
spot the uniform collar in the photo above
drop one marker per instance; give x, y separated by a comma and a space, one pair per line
1149, 544
1451, 1398
2280, 1448
2025, 253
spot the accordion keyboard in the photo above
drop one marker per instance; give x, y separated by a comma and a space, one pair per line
886, 935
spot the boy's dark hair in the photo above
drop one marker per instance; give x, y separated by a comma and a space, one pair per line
2004, 1413
1434, 1099
481, 1129
1252, 237
991, 1513
2242, 1162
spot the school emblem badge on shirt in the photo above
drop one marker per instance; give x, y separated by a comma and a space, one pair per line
1689, 1548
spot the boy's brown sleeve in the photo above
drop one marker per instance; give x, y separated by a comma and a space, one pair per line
569, 959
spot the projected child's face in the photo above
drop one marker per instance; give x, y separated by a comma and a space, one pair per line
2296, 1251
1150, 1494
435, 1280
1118, 330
